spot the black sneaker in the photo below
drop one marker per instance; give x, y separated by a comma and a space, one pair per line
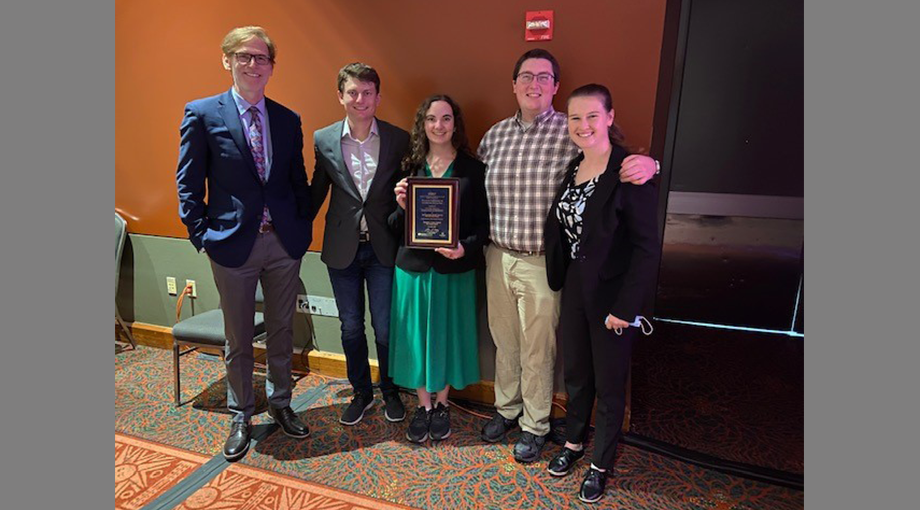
393, 409
494, 431
355, 411
528, 447
562, 463
440, 422
592, 488
418, 427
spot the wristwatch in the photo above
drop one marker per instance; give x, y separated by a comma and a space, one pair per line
657, 167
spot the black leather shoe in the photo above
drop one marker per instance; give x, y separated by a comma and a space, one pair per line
355, 411
495, 430
440, 423
418, 427
592, 488
393, 409
289, 422
528, 447
237, 443
562, 463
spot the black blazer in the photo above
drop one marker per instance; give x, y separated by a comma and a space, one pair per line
619, 247
474, 223
343, 219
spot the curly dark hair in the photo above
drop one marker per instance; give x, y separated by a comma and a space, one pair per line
418, 143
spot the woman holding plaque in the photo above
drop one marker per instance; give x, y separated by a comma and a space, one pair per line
434, 342
602, 251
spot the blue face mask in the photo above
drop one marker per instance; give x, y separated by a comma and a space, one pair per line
641, 322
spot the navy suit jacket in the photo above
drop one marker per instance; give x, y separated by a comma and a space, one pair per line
214, 156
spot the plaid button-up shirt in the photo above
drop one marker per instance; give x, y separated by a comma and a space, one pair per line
525, 168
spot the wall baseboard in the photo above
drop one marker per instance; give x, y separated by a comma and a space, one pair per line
333, 365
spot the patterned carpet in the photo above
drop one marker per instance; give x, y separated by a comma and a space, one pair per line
145, 472
373, 459
734, 395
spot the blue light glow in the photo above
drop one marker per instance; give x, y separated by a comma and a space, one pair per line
735, 328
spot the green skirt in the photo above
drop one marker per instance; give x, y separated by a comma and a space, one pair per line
434, 341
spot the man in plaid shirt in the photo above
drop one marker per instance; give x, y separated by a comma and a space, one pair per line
526, 156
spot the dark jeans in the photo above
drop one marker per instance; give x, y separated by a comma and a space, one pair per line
348, 287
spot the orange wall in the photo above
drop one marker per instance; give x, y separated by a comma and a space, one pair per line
168, 53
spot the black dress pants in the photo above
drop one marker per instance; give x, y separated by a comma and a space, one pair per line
596, 363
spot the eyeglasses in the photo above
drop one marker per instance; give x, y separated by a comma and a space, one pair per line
542, 78
245, 58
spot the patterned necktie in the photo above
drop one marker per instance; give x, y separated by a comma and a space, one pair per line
258, 153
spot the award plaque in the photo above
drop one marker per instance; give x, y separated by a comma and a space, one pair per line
431, 212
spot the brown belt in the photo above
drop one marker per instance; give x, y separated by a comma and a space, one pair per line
520, 253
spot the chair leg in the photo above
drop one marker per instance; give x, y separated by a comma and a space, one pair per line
125, 329
176, 373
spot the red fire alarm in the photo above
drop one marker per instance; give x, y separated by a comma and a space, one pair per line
538, 26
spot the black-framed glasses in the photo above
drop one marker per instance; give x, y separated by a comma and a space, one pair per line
542, 78
245, 58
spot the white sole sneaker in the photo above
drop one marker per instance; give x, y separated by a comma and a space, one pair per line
391, 420
422, 440
360, 416
441, 438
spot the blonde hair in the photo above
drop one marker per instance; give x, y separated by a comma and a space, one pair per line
239, 35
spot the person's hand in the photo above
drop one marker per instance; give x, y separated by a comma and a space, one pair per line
615, 323
637, 169
452, 253
400, 191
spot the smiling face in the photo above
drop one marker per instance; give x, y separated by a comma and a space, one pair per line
439, 123
589, 122
249, 79
360, 99
535, 98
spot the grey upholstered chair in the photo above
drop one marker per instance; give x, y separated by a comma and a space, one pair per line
205, 330
121, 226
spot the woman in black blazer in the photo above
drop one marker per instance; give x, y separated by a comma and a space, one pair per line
602, 251
434, 342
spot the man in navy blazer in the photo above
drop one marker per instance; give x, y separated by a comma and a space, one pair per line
246, 152
359, 158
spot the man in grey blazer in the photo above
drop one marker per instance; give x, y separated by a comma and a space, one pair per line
359, 158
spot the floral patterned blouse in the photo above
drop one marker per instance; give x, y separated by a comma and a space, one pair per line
570, 210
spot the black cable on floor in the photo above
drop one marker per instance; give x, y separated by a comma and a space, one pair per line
740, 469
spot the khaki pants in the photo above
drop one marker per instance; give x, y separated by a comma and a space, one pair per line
523, 313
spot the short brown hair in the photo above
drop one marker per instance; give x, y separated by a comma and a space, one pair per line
236, 37
360, 72
537, 53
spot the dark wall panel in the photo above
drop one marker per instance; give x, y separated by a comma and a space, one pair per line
734, 231
740, 120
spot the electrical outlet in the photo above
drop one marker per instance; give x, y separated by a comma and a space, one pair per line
171, 285
303, 303
191, 283
324, 306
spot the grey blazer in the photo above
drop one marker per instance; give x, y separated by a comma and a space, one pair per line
343, 219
